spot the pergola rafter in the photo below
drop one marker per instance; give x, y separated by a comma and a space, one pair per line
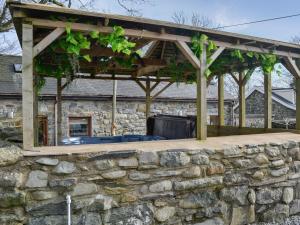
165, 40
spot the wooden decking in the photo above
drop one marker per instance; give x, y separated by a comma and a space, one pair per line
217, 143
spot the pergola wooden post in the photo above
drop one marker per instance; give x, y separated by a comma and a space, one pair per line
297, 103
242, 100
221, 109
268, 100
28, 89
148, 99
114, 106
201, 99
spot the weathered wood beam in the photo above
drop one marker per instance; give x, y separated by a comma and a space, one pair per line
221, 108
268, 100
147, 70
215, 55
163, 50
235, 78
161, 91
201, 98
49, 39
153, 36
114, 107
59, 110
141, 85
248, 76
291, 66
242, 101
154, 86
187, 52
148, 99
28, 89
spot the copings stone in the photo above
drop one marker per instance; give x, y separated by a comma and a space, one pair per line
261, 159
251, 196
295, 207
215, 168
278, 163
232, 152
288, 195
200, 159
235, 195
165, 213
272, 151
192, 172
47, 161
64, 168
128, 163
198, 183
64, 183
10, 155
268, 195
115, 155
141, 214
10, 179
199, 200
36, 179
114, 174
161, 186
138, 176
104, 164
43, 195
213, 221
12, 199
277, 214
280, 172
147, 159
84, 189
174, 159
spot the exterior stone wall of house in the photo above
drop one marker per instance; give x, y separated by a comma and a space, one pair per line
236, 186
255, 111
130, 117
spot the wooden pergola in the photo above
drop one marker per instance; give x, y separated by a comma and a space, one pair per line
36, 31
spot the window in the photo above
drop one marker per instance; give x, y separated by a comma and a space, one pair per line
18, 68
43, 131
79, 126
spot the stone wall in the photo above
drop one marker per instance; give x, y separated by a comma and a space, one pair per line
130, 117
236, 186
255, 111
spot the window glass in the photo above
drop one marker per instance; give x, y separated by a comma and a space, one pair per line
79, 127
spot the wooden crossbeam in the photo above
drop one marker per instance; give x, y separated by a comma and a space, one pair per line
161, 91
153, 36
291, 66
154, 86
215, 55
187, 52
247, 76
141, 85
43, 44
236, 78
147, 70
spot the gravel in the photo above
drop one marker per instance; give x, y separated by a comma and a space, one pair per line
294, 220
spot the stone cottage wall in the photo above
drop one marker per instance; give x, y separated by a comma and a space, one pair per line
130, 117
255, 111
235, 186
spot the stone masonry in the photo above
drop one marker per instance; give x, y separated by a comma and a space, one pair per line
130, 117
238, 185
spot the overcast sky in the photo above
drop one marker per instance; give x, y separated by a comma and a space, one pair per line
226, 12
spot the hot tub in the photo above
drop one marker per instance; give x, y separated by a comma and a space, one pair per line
109, 139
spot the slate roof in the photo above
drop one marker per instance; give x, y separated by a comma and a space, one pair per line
283, 96
11, 84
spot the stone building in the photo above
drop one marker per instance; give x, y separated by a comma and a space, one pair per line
283, 112
87, 104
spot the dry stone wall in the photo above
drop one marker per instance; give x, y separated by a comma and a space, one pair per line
236, 186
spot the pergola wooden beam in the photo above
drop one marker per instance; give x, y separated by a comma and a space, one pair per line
215, 55
147, 70
151, 48
187, 52
242, 101
291, 66
161, 91
43, 44
154, 36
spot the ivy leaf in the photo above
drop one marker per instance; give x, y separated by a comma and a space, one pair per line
94, 34
87, 58
119, 31
68, 28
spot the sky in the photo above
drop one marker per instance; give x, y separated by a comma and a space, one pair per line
225, 12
